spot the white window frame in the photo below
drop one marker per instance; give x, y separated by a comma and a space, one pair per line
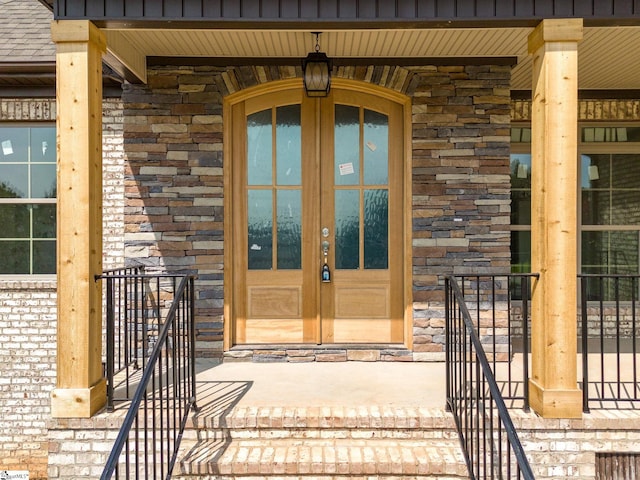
29, 201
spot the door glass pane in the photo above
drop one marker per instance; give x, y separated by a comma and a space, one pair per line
376, 148
259, 148
288, 145
376, 229
260, 229
347, 145
289, 230
347, 229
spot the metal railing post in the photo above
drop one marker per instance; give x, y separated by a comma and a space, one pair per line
192, 329
110, 332
447, 343
526, 288
585, 344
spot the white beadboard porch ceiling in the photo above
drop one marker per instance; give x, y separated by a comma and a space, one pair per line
609, 57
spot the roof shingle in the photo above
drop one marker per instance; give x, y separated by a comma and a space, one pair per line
25, 35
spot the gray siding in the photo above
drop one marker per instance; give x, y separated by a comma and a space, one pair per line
358, 11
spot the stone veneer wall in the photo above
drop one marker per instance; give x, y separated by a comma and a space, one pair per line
460, 121
461, 188
28, 308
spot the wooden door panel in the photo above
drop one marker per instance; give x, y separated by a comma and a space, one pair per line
261, 331
359, 302
362, 330
275, 302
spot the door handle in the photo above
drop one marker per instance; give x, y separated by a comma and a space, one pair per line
325, 249
325, 273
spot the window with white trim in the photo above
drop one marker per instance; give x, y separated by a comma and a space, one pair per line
27, 199
608, 199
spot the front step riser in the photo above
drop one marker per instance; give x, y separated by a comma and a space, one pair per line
335, 460
302, 434
319, 477
298, 444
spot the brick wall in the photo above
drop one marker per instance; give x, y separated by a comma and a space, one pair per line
460, 115
113, 168
567, 448
555, 448
27, 372
28, 309
79, 448
610, 109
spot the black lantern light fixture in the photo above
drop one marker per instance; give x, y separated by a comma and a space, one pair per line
316, 70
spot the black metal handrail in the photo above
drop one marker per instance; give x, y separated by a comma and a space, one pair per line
489, 299
148, 441
488, 437
126, 326
609, 332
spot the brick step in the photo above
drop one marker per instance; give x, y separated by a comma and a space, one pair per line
320, 458
257, 420
322, 443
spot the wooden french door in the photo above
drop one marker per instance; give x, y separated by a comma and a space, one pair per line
316, 186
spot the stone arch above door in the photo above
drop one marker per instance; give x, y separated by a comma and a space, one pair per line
395, 78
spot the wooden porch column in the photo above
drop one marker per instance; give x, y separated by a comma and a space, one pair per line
80, 389
553, 386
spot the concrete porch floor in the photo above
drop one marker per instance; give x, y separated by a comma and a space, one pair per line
397, 384
317, 384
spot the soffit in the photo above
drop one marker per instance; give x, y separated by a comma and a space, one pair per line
609, 57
